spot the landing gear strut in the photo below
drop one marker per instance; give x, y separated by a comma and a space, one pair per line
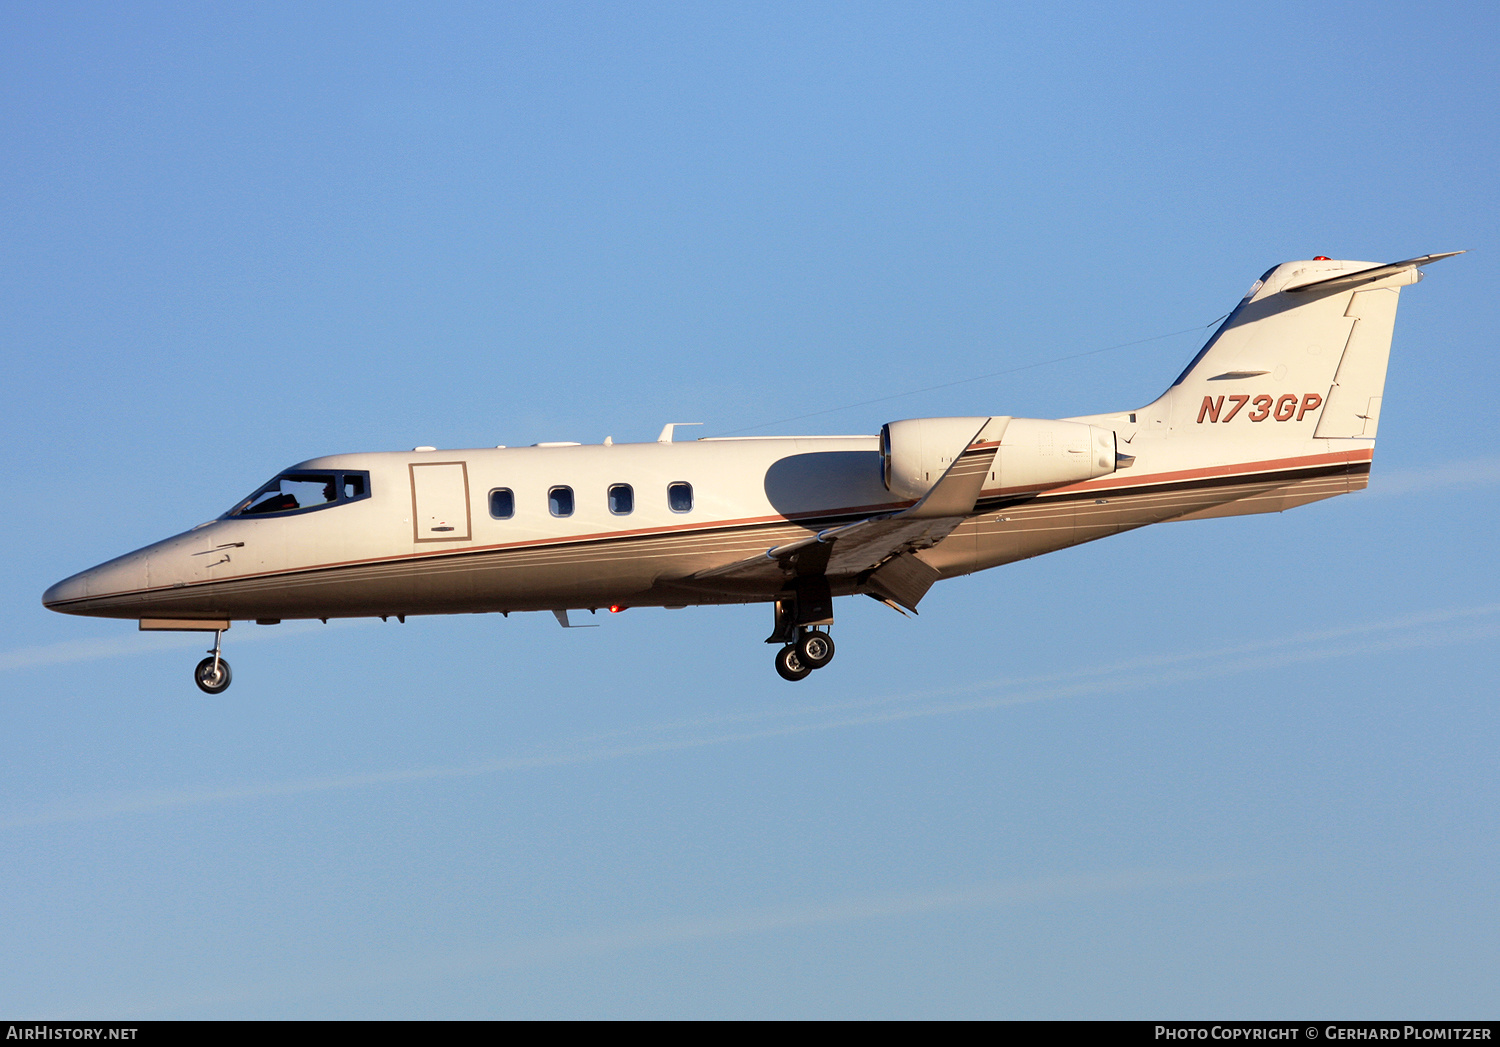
212, 674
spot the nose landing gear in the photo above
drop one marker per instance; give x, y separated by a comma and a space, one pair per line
212, 674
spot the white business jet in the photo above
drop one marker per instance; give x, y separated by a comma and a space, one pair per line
1280, 408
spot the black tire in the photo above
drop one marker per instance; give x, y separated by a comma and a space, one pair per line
789, 664
815, 649
210, 682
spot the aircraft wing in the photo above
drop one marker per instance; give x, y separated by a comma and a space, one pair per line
880, 544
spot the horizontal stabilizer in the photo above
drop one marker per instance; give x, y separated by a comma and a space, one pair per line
1343, 281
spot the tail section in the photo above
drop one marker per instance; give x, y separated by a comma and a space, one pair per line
1282, 405
1279, 409
1303, 357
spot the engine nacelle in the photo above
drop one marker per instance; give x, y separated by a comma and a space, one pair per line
1034, 453
916, 452
1038, 453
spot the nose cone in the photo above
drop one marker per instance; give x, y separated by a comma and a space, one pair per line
66, 591
107, 590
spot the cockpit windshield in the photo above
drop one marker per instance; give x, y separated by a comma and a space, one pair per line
299, 492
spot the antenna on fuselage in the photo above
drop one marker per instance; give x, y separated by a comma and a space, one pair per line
562, 620
666, 431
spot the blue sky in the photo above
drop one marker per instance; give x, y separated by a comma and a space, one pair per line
1236, 768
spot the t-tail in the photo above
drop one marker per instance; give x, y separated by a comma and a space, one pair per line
1286, 395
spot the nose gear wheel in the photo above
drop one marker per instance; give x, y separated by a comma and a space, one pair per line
212, 675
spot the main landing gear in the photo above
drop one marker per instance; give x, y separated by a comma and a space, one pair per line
212, 674
812, 650
799, 611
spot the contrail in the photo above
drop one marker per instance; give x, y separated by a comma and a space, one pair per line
92, 650
1473, 473
1430, 629
538, 952
1137, 664
142, 643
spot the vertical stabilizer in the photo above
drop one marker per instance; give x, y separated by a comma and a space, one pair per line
1302, 357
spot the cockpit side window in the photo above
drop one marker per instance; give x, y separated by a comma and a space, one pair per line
296, 492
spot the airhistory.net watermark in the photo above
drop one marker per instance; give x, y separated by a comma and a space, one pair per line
43, 1031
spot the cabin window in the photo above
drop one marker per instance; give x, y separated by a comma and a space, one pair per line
560, 501
680, 497
296, 492
502, 503
621, 499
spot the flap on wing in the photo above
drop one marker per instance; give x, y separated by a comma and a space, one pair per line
867, 543
903, 580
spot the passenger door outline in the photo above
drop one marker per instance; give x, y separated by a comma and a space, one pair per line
440, 502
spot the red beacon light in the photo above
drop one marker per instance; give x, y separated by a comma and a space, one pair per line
616, 608
1322, 258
